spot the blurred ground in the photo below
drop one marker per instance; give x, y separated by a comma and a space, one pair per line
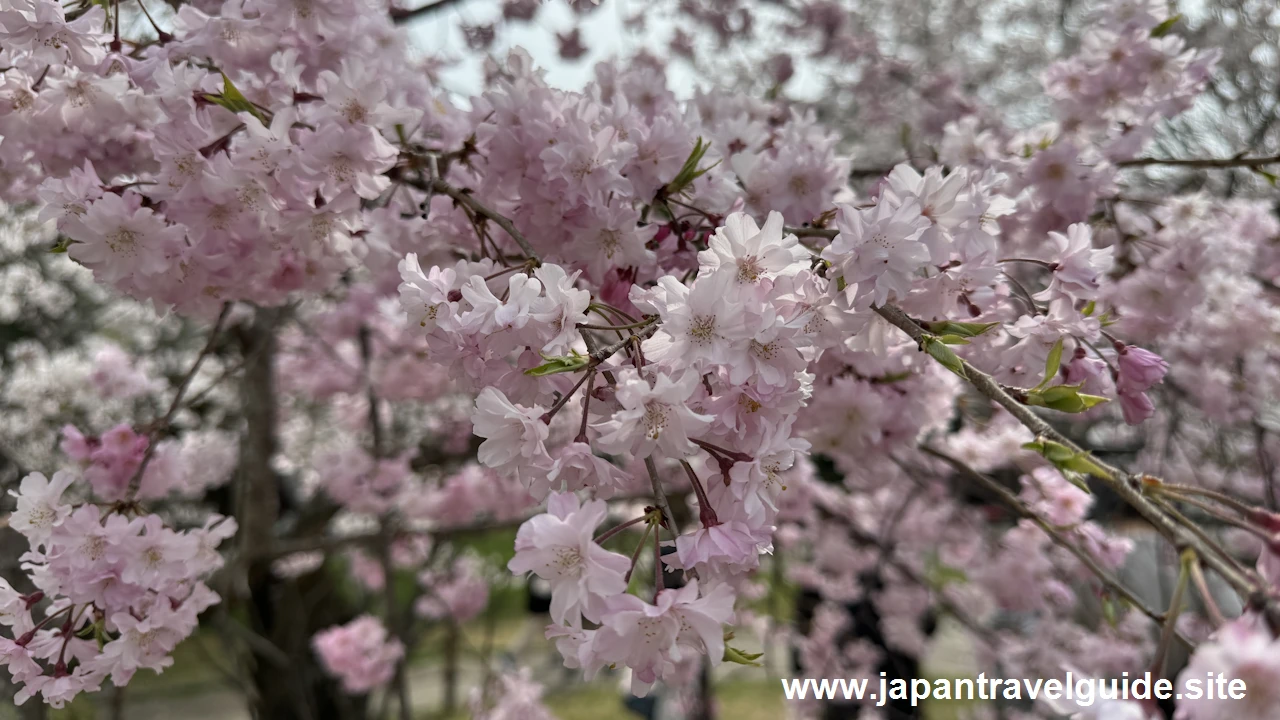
195, 688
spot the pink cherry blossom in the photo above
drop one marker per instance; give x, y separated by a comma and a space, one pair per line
360, 654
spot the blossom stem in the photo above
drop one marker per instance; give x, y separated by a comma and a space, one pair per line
1202, 587
505, 271
1223, 498
586, 406
716, 449
1098, 352
115, 16
706, 513
658, 585
606, 306
660, 497
163, 36
1023, 293
709, 216
136, 481
564, 399
27, 637
635, 554
1221, 516
630, 326
603, 537
1030, 261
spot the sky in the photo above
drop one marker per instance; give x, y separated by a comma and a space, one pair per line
602, 32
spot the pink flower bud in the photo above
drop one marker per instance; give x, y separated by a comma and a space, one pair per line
1139, 369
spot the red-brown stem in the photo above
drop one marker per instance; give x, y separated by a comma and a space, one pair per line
546, 418
635, 554
586, 405
604, 536
730, 454
658, 585
706, 513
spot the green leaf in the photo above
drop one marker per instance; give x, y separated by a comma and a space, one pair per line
1052, 451
840, 284
1064, 398
1064, 458
1088, 309
235, 101
963, 329
953, 340
939, 575
1092, 400
1271, 178
734, 655
559, 364
1109, 612
64, 243
1163, 28
891, 378
690, 171
1051, 365
943, 354
1076, 479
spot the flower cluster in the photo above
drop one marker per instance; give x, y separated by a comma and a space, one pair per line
360, 653
118, 591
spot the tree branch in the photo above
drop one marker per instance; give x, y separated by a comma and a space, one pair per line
1127, 486
1202, 162
136, 481
1111, 582
400, 16
469, 200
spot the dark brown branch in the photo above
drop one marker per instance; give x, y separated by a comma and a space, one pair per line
399, 16
466, 198
800, 232
1202, 162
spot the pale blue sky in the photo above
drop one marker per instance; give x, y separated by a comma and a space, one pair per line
602, 33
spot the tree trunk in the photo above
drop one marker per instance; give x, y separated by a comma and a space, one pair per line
285, 613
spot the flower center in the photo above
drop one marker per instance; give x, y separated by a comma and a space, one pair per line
123, 240
655, 418
703, 328
749, 269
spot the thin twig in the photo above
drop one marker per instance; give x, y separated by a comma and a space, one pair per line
1006, 496
476, 206
1175, 609
136, 481
660, 497
1202, 587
